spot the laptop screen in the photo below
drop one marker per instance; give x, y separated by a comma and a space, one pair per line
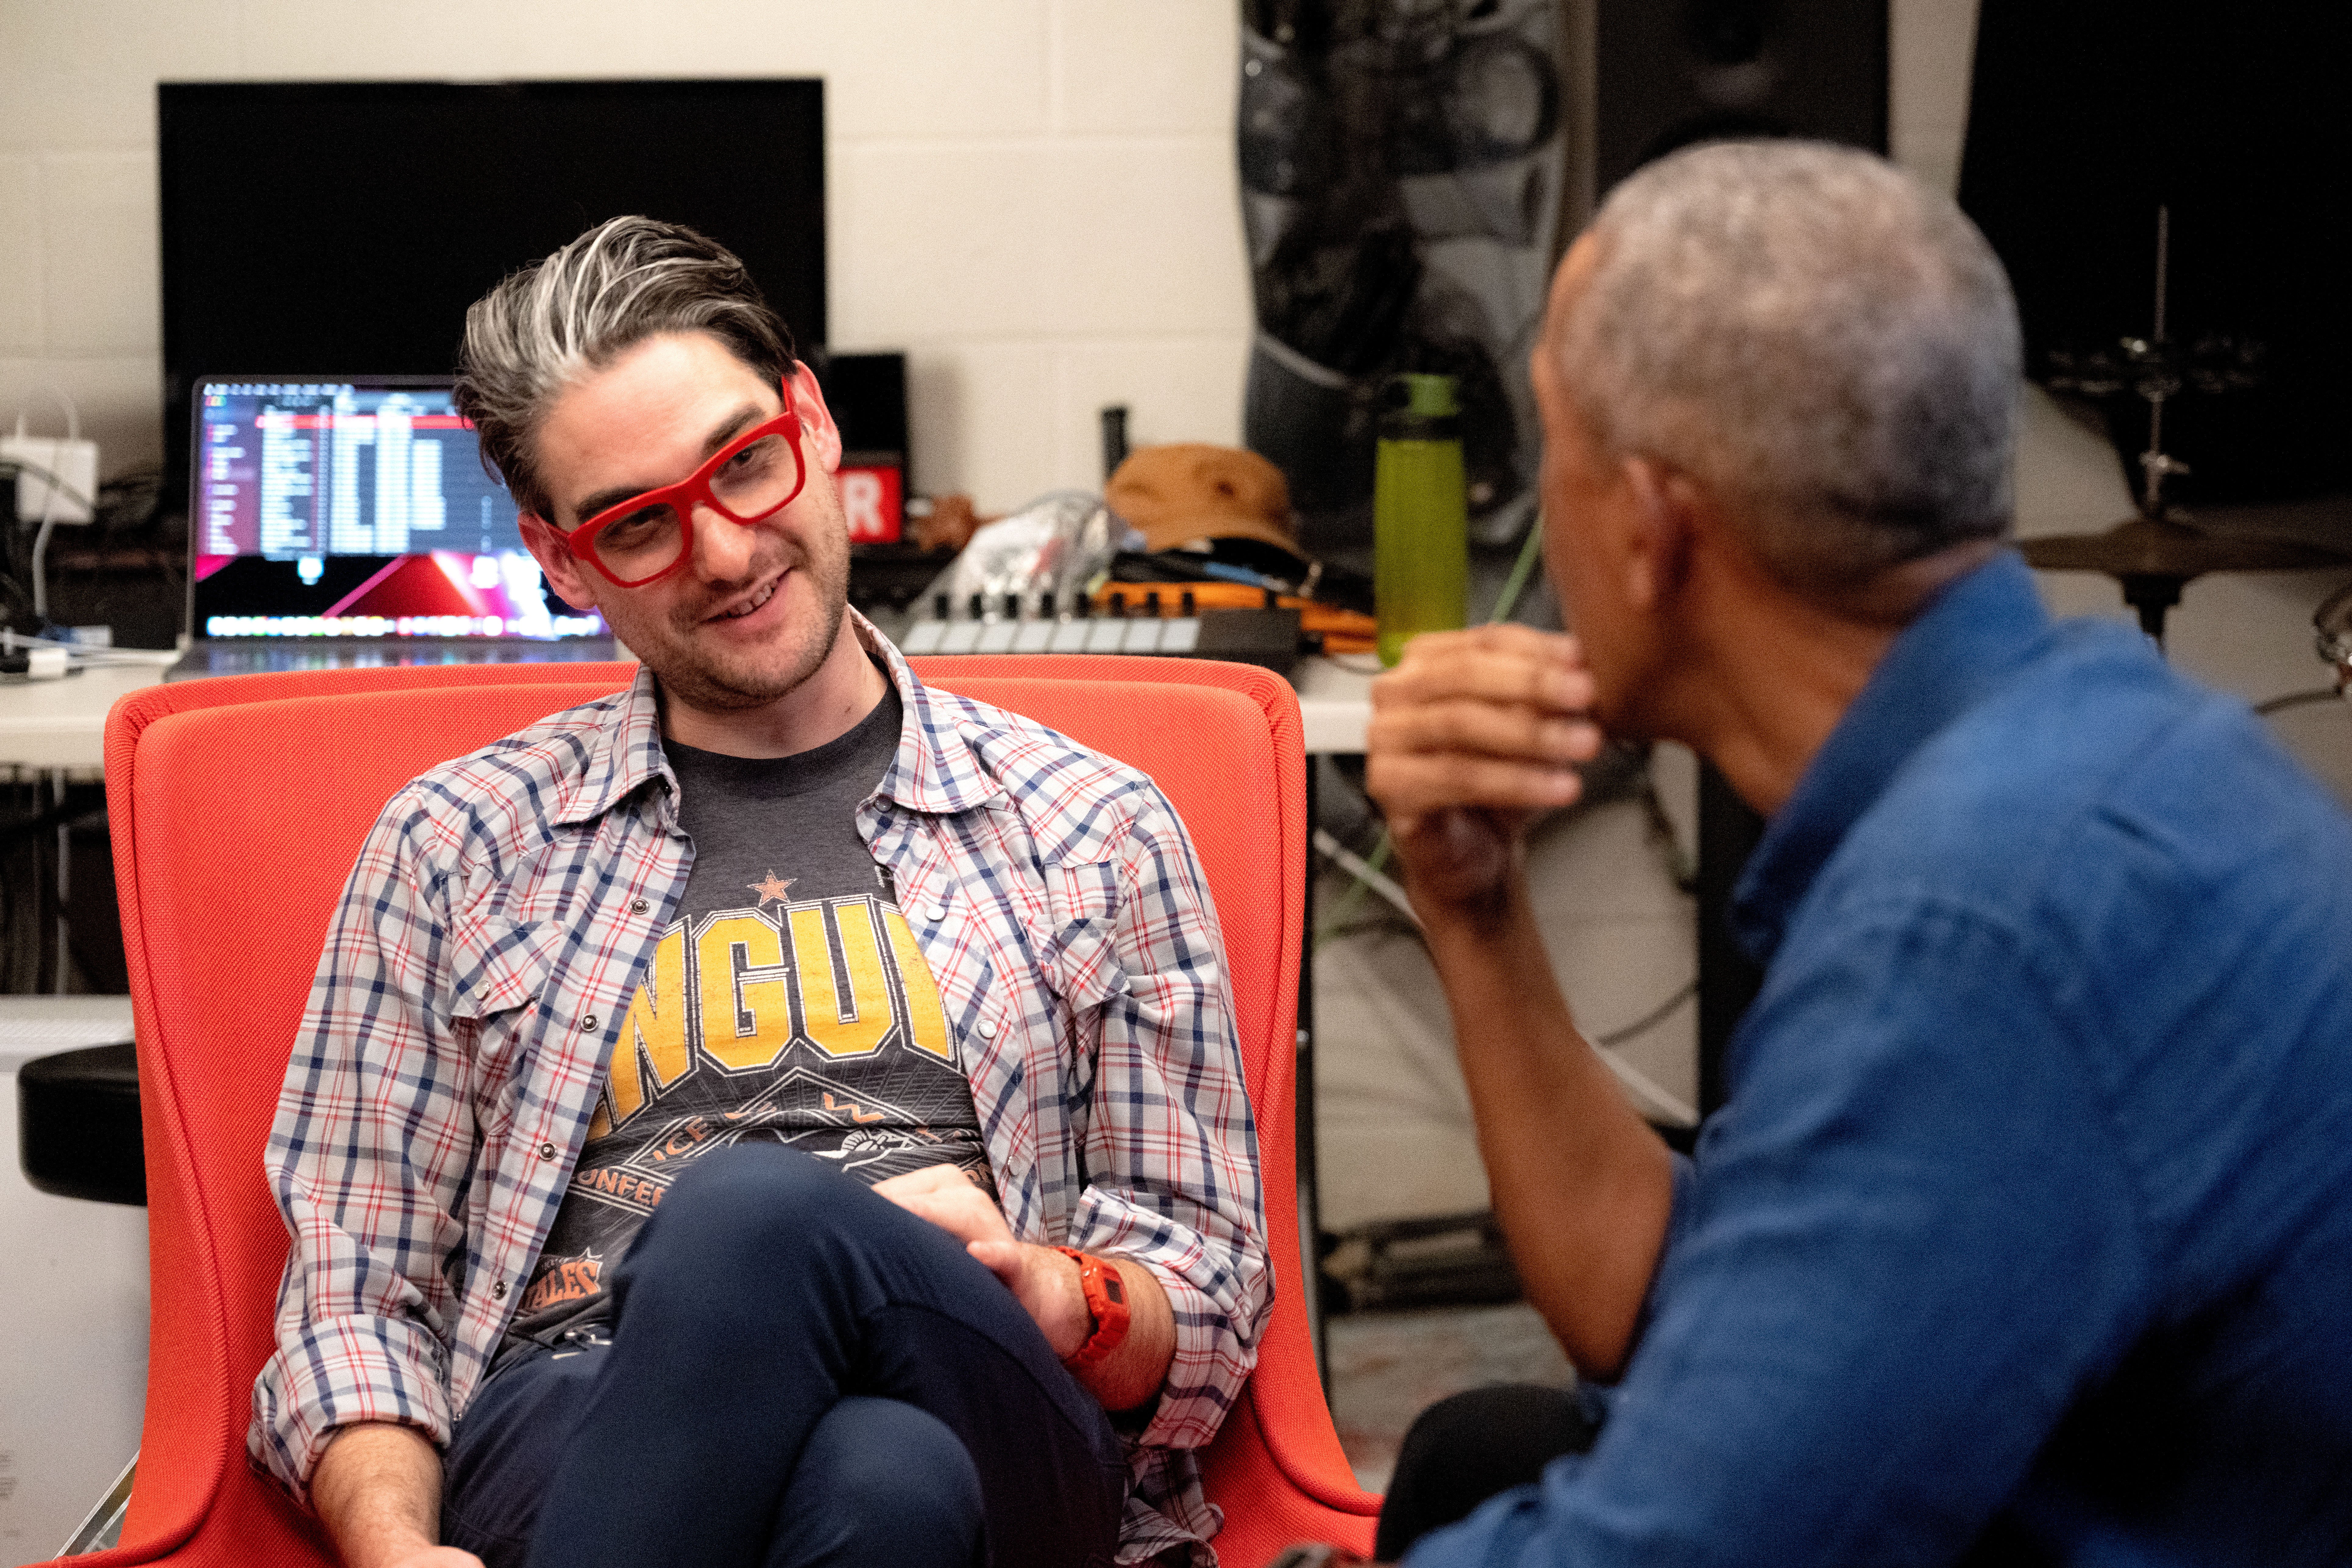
355, 506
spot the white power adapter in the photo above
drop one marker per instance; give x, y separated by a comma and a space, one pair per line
70, 462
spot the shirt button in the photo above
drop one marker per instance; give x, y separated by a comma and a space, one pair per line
988, 1028
499, 1291
546, 1151
638, 906
588, 1022
938, 913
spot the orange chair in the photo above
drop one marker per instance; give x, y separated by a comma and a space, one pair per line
237, 808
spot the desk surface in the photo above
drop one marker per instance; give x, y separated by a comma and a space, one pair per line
1335, 703
62, 723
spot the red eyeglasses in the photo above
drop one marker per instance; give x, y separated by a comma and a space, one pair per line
755, 476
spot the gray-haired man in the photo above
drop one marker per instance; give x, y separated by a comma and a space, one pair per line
2026, 1233
777, 1115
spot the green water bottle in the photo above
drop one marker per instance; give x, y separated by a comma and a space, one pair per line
1421, 551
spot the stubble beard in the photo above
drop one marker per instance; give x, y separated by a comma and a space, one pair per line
690, 672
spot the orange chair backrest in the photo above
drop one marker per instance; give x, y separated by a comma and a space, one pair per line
237, 808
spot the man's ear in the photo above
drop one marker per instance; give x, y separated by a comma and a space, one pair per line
1663, 519
821, 437
565, 573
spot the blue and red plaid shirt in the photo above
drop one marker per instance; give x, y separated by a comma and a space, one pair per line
478, 969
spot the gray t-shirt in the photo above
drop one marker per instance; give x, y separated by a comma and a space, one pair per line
788, 1004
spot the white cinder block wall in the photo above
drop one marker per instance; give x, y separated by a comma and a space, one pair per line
1035, 198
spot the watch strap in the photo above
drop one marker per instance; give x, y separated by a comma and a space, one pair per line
1106, 1295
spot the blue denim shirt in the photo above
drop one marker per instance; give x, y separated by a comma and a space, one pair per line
2026, 1233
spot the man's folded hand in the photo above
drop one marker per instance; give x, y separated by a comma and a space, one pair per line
1473, 735
1044, 1280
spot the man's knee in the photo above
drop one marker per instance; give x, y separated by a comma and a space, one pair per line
754, 1175
881, 1481
752, 1194
1463, 1451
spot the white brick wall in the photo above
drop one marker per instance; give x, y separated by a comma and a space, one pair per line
1035, 198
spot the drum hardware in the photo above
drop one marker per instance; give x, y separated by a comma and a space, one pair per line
2154, 554
2332, 623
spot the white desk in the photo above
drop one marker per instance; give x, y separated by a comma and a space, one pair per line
1335, 703
62, 723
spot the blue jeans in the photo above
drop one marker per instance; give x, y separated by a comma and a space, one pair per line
800, 1373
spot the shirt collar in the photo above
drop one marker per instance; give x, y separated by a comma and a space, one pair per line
1944, 663
627, 751
937, 769
934, 770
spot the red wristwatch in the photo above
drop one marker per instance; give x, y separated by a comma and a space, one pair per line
1105, 1301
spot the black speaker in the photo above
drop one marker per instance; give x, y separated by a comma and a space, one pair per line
1659, 75
867, 395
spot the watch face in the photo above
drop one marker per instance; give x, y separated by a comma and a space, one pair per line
1106, 1295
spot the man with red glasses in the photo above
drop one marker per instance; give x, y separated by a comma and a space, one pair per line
776, 1114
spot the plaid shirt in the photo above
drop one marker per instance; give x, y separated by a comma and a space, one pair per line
478, 972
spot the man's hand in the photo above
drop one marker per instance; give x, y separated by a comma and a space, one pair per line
1047, 1285
1044, 1282
1473, 735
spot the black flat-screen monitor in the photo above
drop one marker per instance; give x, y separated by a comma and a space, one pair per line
323, 229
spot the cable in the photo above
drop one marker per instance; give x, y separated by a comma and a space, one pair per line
1367, 869
1643, 1087
58, 487
1367, 874
2297, 699
40, 560
1634, 1079
1521, 569
1650, 1020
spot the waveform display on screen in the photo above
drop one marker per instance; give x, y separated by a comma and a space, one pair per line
339, 510
294, 468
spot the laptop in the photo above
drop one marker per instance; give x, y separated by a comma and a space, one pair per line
343, 521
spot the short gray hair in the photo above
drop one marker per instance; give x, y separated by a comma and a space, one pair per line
1812, 336
545, 326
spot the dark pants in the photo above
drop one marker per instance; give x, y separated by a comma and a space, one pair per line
1463, 1451
800, 1373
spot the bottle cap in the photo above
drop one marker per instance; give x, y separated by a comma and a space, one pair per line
1430, 396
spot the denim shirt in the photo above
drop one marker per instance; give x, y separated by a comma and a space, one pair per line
2026, 1232
478, 972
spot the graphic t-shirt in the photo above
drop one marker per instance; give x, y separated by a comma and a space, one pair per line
788, 1004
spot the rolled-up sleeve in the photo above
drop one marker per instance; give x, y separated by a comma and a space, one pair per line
368, 1158
1171, 1148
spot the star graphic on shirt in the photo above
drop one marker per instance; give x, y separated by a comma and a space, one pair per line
774, 888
